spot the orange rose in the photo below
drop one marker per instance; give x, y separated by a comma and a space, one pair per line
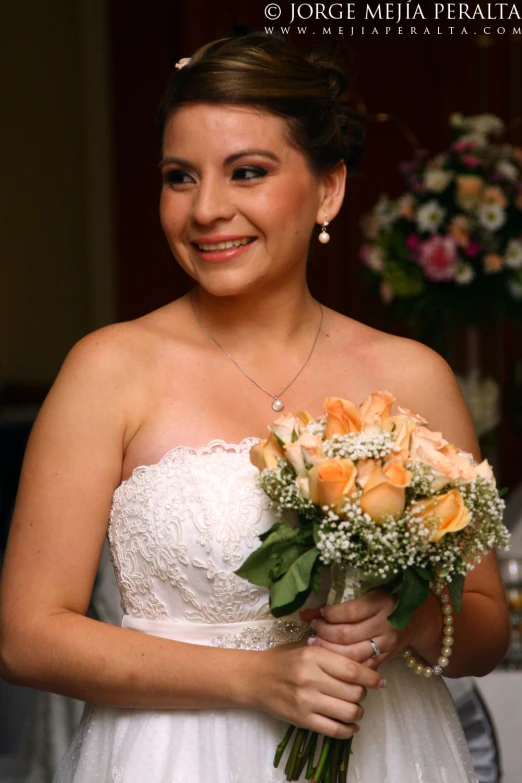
469, 188
493, 195
266, 453
377, 404
447, 512
305, 417
402, 426
459, 230
384, 491
331, 482
493, 263
343, 417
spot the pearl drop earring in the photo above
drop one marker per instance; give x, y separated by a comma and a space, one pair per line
324, 236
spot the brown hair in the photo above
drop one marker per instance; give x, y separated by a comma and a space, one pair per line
309, 91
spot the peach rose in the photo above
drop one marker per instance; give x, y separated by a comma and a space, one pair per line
305, 417
402, 425
343, 417
493, 263
331, 482
447, 512
384, 488
377, 404
285, 426
266, 453
306, 451
459, 230
303, 485
447, 462
493, 195
469, 188
407, 206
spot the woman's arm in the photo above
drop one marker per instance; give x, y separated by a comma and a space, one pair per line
424, 383
72, 466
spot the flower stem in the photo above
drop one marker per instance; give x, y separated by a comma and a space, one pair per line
345, 759
307, 755
310, 769
323, 758
300, 738
334, 765
282, 745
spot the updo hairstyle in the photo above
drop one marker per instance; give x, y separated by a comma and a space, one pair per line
309, 91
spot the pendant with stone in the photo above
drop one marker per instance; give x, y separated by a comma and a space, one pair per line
278, 405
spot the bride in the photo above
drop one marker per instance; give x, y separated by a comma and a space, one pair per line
149, 425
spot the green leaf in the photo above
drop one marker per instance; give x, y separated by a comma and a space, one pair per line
503, 492
424, 573
257, 567
275, 526
291, 591
456, 588
413, 593
295, 436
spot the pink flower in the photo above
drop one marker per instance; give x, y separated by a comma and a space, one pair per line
471, 160
413, 242
438, 258
473, 249
464, 146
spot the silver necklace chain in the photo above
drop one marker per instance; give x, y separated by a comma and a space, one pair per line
277, 404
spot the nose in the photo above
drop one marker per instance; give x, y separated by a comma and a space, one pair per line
212, 202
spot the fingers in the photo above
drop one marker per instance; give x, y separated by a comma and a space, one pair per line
340, 710
359, 609
349, 671
323, 725
307, 615
356, 652
349, 633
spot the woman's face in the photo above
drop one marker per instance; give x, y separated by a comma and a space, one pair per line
238, 202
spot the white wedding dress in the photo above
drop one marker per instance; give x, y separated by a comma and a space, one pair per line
178, 530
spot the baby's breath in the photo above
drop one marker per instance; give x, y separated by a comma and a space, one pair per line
358, 445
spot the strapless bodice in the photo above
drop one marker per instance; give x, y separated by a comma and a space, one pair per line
180, 528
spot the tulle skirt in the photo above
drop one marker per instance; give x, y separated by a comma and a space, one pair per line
410, 733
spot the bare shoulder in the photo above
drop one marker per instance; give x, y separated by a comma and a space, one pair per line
418, 376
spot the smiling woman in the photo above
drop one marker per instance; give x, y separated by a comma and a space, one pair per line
146, 436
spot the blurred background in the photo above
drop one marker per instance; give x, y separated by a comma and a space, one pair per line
81, 246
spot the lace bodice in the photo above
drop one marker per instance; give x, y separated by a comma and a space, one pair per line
180, 528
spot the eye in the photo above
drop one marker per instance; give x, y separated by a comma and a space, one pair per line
248, 172
177, 177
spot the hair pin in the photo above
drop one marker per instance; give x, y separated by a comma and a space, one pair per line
181, 63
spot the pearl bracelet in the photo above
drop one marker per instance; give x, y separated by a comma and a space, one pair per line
447, 641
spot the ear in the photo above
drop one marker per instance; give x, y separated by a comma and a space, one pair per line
333, 185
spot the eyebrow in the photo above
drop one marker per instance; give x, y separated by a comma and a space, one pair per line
230, 159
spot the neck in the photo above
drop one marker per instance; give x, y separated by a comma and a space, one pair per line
242, 322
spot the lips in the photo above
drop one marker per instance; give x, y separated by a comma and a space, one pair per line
211, 245
222, 248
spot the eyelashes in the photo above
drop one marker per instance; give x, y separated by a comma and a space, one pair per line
176, 177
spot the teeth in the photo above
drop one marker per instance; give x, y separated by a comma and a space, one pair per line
224, 245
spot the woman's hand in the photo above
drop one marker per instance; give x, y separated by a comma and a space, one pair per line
348, 627
312, 688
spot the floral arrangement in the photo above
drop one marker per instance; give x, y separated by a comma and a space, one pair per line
451, 246
380, 500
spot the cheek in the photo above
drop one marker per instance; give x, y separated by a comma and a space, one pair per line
172, 214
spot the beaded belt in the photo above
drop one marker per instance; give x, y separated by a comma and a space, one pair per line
249, 635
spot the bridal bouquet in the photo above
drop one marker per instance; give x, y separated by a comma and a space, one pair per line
381, 501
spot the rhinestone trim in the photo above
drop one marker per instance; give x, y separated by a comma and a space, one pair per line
256, 638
